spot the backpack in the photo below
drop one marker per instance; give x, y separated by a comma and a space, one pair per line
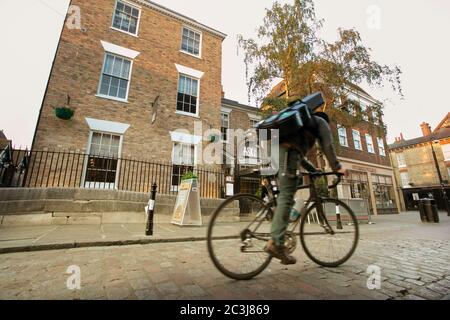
297, 117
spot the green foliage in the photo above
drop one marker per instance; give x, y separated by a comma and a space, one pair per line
287, 46
321, 185
64, 113
189, 175
258, 192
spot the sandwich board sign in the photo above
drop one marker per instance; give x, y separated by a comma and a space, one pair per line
187, 209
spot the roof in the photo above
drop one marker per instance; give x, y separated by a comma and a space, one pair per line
445, 123
233, 103
179, 16
440, 134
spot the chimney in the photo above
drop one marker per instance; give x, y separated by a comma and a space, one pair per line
401, 137
223, 93
426, 129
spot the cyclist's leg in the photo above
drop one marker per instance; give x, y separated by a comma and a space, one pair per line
285, 200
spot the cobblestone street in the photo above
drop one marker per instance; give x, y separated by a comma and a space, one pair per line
413, 257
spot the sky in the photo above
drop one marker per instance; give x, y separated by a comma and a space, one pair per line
410, 34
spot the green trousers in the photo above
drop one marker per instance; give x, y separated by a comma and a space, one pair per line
287, 184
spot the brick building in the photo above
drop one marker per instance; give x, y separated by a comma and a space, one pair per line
422, 165
361, 148
134, 75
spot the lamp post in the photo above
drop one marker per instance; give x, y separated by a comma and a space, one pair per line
444, 194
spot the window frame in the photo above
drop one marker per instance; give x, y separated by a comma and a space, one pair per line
359, 139
88, 154
402, 180
221, 126
381, 147
139, 8
372, 146
197, 109
401, 164
199, 56
102, 73
339, 127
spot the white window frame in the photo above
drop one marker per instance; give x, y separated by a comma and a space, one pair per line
123, 53
358, 134
197, 109
100, 95
108, 127
340, 127
199, 56
381, 148
404, 178
138, 22
370, 146
401, 160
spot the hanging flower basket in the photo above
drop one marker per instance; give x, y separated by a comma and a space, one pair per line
64, 113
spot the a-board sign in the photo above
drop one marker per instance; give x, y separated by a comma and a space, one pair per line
187, 209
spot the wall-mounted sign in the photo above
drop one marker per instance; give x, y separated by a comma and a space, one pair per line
187, 209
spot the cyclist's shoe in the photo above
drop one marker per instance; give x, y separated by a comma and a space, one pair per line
279, 252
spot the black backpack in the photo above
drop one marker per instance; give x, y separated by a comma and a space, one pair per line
297, 117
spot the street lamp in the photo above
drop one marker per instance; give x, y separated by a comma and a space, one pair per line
444, 194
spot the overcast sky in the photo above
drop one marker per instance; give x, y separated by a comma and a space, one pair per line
412, 34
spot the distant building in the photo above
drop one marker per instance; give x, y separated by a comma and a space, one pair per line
422, 165
3, 140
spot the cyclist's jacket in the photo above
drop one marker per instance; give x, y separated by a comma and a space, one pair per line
306, 139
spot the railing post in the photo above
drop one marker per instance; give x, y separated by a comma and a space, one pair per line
150, 211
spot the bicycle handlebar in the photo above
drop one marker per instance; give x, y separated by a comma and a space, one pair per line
322, 174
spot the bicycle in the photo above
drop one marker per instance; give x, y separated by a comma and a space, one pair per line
321, 219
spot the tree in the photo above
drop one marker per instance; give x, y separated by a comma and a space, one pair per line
287, 47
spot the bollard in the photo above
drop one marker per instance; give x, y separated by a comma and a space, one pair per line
151, 207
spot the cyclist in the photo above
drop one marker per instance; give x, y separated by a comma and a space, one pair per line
291, 151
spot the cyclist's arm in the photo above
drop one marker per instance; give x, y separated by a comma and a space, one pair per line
308, 165
326, 143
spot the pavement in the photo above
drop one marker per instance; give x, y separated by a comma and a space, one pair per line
413, 259
41, 237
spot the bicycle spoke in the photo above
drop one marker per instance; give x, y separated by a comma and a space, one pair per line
322, 246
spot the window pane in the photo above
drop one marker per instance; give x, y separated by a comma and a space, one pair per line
104, 87
126, 69
127, 9
117, 67
96, 138
119, 6
135, 13
114, 87
123, 88
109, 61
194, 87
181, 84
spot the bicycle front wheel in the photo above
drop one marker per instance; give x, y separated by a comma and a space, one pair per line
237, 233
329, 248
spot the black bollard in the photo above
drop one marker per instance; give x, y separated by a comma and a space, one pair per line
151, 207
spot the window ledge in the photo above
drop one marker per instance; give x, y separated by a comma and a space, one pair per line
111, 98
128, 33
192, 55
181, 113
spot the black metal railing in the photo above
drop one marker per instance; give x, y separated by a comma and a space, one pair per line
42, 169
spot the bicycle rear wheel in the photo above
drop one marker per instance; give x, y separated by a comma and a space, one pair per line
325, 248
237, 233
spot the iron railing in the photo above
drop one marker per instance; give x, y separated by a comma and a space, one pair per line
44, 168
